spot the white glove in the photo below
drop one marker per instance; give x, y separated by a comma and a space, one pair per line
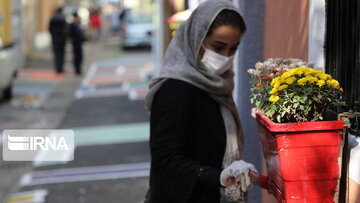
237, 174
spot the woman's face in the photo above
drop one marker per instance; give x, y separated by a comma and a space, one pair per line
223, 40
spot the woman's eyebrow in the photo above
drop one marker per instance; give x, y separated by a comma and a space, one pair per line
220, 43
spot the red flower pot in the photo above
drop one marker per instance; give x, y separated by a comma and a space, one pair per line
303, 159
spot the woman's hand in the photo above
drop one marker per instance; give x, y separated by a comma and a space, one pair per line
237, 174
256, 110
262, 181
254, 177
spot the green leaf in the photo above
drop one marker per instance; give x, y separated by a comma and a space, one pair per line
283, 113
339, 103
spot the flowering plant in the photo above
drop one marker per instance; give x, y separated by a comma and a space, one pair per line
290, 90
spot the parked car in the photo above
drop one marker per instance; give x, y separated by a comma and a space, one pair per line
136, 30
8, 70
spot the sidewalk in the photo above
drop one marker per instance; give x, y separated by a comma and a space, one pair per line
41, 99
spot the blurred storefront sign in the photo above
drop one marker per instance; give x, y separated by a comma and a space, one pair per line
178, 18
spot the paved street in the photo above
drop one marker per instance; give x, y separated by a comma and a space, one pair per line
105, 108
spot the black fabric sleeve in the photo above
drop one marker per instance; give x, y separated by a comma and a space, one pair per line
209, 179
170, 125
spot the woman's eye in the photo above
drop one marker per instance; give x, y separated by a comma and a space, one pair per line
234, 48
217, 48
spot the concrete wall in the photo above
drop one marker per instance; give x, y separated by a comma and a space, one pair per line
46, 10
286, 29
250, 51
29, 25
163, 10
36, 15
317, 32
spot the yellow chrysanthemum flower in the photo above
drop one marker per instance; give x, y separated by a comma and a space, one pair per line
299, 72
320, 83
321, 76
277, 84
329, 82
333, 83
292, 71
311, 79
273, 91
302, 81
282, 87
287, 74
274, 98
310, 72
329, 77
300, 68
275, 80
290, 80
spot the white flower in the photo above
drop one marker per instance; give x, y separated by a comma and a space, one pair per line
278, 60
259, 66
300, 63
295, 60
270, 60
253, 71
267, 64
271, 66
293, 65
278, 64
283, 67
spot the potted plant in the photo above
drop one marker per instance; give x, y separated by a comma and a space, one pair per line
302, 147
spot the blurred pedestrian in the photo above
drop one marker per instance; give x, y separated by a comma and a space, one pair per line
124, 14
58, 31
77, 40
196, 139
114, 21
95, 24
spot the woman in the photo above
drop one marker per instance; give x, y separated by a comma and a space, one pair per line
195, 129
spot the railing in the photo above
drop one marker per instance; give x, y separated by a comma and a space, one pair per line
342, 52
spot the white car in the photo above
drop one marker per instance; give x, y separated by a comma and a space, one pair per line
137, 30
8, 70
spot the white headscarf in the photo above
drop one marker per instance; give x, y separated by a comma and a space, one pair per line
182, 62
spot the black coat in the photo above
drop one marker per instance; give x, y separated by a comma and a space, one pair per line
187, 142
76, 35
58, 28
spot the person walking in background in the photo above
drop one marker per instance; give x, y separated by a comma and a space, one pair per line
95, 24
58, 32
196, 140
123, 17
77, 40
114, 22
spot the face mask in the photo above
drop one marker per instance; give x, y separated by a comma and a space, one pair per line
216, 62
